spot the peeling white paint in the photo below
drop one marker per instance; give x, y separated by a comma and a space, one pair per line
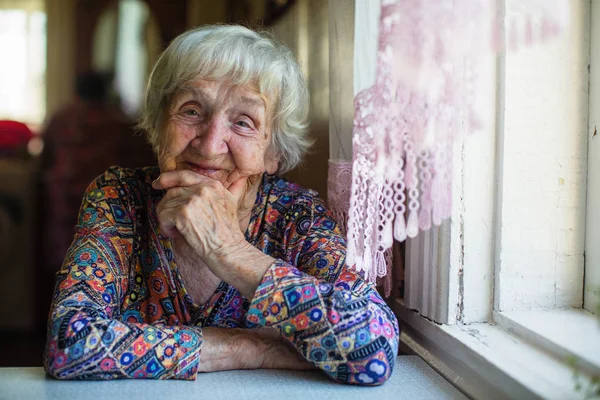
540, 261
592, 247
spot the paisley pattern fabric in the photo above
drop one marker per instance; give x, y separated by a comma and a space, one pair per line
120, 309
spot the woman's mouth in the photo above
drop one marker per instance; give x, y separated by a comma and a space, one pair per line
207, 171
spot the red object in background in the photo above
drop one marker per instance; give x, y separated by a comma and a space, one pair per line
14, 134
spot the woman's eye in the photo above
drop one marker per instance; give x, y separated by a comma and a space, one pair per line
243, 124
191, 112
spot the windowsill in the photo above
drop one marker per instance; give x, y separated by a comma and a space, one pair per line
567, 333
487, 361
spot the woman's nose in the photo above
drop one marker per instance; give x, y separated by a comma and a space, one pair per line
212, 138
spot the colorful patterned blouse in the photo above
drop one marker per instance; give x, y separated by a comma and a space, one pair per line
120, 309
76, 134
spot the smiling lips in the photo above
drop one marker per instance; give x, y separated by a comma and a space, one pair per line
203, 170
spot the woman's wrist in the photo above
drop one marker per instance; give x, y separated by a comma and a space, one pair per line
229, 349
241, 265
222, 350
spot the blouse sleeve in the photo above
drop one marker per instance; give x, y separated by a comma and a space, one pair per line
87, 338
333, 317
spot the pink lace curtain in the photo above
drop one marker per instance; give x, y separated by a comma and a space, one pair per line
423, 102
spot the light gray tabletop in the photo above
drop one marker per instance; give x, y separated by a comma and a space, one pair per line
412, 379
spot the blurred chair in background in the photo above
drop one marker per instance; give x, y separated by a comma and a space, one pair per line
14, 137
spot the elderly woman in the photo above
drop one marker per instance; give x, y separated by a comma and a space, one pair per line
211, 261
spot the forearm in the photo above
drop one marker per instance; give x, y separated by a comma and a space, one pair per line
340, 327
101, 340
242, 266
88, 338
232, 349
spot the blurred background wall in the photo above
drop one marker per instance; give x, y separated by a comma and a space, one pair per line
45, 44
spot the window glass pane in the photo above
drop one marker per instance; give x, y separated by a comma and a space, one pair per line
13, 72
22, 73
131, 54
37, 66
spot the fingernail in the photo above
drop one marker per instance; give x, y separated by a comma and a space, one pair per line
154, 182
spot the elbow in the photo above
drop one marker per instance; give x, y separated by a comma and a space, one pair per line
379, 370
53, 358
374, 362
59, 363
371, 371
375, 369
51, 370
370, 365
63, 357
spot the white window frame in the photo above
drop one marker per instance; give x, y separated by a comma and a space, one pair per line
591, 295
450, 314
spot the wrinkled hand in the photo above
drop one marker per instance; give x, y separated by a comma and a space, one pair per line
206, 215
201, 210
227, 349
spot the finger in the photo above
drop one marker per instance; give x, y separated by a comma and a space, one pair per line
244, 196
238, 189
173, 198
176, 192
168, 211
167, 223
179, 178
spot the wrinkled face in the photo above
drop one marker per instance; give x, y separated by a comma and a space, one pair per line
217, 130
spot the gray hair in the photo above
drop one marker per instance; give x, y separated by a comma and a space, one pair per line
245, 57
